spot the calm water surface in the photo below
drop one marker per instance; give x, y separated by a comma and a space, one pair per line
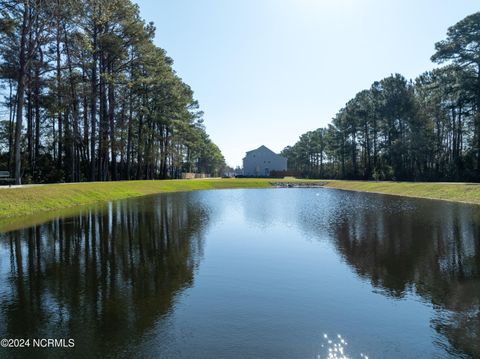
248, 274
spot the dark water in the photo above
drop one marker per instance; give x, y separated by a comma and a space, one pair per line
248, 274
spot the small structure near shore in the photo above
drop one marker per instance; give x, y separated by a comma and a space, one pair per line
298, 184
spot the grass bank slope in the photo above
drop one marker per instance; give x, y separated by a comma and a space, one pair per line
27, 200
40, 202
456, 192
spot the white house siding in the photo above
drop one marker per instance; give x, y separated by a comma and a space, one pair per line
262, 161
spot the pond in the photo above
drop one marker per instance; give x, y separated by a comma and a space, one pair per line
270, 273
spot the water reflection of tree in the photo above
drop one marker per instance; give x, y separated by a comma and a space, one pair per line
103, 278
429, 247
433, 249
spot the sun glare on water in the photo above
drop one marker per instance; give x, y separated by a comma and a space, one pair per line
336, 348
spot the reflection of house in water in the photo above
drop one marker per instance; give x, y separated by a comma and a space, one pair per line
262, 161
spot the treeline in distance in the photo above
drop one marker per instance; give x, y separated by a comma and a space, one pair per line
426, 129
88, 96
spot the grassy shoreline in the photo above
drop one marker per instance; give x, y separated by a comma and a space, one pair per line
444, 191
18, 203
25, 200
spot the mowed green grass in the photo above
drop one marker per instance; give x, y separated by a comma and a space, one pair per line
22, 201
16, 204
456, 192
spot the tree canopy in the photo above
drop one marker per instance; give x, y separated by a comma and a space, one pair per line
88, 96
425, 129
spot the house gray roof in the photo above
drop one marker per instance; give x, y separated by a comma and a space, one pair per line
262, 147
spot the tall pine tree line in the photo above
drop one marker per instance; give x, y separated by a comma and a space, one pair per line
426, 129
88, 96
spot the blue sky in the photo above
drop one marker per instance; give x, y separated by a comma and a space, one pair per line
266, 71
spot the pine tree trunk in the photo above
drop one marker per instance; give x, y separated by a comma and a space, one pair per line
111, 115
20, 93
93, 108
59, 103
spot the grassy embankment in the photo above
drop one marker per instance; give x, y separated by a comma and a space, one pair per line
454, 192
43, 201
26, 200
